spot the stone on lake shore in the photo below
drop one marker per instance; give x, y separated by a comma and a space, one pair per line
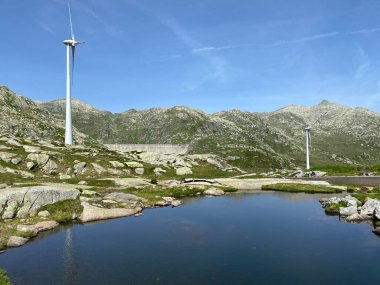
370, 206
357, 218
39, 227
92, 213
15, 241
214, 192
348, 211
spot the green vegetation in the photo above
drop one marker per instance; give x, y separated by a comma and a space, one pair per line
154, 195
333, 209
62, 211
362, 196
297, 188
346, 170
4, 280
376, 189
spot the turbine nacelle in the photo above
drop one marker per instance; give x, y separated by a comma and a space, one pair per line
72, 42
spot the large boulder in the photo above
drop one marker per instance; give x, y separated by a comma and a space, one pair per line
134, 164
92, 213
80, 168
98, 168
40, 158
124, 198
369, 206
357, 217
116, 164
139, 170
377, 213
184, 171
15, 241
6, 156
39, 227
348, 211
214, 192
50, 167
159, 171
23, 202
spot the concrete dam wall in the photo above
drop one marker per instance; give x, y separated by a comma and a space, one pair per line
158, 148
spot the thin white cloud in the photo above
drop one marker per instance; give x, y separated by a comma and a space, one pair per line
306, 39
364, 31
362, 67
287, 42
167, 58
46, 28
216, 63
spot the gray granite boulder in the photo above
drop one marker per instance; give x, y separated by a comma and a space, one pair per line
23, 202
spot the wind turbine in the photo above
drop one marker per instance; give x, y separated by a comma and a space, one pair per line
308, 140
70, 46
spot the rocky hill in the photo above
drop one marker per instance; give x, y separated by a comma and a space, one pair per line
252, 141
23, 118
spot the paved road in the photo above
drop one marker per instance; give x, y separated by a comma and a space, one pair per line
349, 180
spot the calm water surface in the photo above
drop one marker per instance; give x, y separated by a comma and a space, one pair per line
238, 239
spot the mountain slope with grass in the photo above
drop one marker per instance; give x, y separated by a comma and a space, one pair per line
23, 118
252, 141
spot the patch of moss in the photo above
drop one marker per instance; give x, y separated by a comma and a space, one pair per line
4, 279
333, 209
62, 211
300, 188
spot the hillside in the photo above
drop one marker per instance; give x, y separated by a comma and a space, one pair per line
253, 141
23, 118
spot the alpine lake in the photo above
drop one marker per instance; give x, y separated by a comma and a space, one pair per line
261, 238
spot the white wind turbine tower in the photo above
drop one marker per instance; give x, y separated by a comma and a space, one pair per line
70, 45
308, 140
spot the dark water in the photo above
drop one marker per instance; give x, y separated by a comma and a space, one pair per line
238, 239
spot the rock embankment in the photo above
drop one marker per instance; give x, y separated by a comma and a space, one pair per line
25, 201
352, 210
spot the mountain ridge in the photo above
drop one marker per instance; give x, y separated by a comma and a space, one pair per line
252, 141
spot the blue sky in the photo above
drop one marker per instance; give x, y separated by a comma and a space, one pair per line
253, 55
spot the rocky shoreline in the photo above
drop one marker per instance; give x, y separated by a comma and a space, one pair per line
352, 210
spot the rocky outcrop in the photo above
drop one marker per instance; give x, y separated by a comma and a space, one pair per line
92, 213
15, 241
124, 198
370, 206
184, 171
39, 227
348, 211
214, 192
23, 202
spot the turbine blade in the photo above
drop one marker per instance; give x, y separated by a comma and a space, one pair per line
71, 21
72, 64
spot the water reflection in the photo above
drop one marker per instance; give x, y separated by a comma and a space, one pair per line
69, 258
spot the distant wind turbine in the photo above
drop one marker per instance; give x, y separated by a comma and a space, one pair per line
308, 140
70, 44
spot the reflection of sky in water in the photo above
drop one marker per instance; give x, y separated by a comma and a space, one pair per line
266, 238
